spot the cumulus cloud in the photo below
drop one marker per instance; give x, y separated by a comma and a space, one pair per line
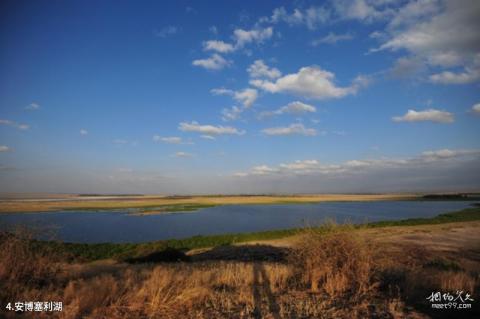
16, 125
469, 75
260, 70
243, 37
310, 82
332, 38
214, 62
476, 108
443, 34
295, 107
293, 129
83, 132
33, 106
219, 46
209, 129
246, 96
431, 115
4, 148
315, 167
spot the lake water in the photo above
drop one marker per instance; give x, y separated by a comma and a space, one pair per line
120, 226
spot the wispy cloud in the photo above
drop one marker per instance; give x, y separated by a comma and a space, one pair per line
14, 124
208, 137
4, 148
431, 115
183, 154
33, 106
166, 31
209, 129
83, 132
296, 108
293, 129
332, 38
315, 167
169, 140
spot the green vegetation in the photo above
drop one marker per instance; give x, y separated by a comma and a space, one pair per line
148, 209
127, 250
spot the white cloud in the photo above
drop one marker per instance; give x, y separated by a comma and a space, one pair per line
246, 96
332, 38
209, 129
311, 17
33, 106
183, 154
469, 75
430, 156
476, 108
168, 139
219, 46
166, 31
213, 29
443, 34
243, 37
4, 148
310, 82
83, 132
293, 129
16, 125
315, 167
232, 113
364, 10
208, 137
260, 70
431, 115
214, 62
295, 107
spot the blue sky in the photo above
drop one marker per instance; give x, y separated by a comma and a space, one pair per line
239, 96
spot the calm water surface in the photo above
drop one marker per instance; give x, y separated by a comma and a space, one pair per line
120, 226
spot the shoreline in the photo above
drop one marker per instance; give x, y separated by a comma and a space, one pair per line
145, 202
97, 251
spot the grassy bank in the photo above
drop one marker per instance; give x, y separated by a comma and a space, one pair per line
120, 251
329, 272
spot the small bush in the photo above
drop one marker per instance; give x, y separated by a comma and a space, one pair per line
335, 262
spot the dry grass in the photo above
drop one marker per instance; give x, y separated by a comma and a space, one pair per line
15, 206
338, 274
337, 263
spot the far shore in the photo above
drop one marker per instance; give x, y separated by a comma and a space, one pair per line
158, 203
